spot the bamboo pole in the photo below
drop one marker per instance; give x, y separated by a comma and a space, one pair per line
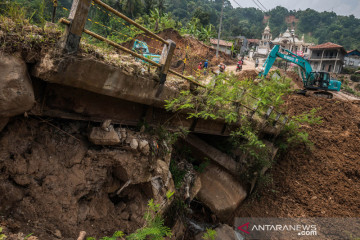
107, 7
64, 21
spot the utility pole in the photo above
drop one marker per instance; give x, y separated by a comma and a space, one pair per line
221, 16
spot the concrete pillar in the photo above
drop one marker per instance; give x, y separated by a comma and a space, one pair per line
165, 61
336, 59
78, 17
322, 56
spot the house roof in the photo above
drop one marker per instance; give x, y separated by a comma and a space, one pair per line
353, 52
253, 40
222, 42
328, 45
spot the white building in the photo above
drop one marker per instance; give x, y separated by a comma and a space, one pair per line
265, 42
224, 46
291, 42
352, 59
287, 40
328, 57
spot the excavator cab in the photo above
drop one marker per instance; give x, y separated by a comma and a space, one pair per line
322, 81
318, 80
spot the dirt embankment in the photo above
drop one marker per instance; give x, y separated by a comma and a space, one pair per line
187, 47
55, 183
323, 182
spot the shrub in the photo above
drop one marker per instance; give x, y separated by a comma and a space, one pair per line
348, 70
210, 234
355, 77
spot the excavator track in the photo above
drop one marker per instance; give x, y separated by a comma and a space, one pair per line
322, 94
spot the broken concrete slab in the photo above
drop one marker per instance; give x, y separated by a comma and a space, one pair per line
16, 91
220, 191
100, 137
102, 78
212, 153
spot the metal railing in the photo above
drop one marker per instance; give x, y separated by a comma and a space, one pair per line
76, 23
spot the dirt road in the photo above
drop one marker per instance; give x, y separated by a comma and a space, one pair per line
248, 65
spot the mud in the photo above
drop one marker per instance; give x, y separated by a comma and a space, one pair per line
55, 183
323, 182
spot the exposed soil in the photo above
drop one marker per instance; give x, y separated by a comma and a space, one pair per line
187, 47
323, 182
54, 183
247, 74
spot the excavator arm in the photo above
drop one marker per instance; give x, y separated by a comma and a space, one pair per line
311, 80
290, 57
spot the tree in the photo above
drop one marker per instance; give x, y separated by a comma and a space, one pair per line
132, 7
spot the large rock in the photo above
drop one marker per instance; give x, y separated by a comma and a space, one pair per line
16, 91
100, 137
3, 123
220, 191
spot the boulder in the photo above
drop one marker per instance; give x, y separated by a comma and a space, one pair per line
16, 91
100, 137
3, 123
134, 144
220, 191
195, 188
144, 147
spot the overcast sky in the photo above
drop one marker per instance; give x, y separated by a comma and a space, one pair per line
341, 7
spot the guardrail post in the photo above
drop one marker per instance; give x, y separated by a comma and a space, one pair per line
165, 61
78, 16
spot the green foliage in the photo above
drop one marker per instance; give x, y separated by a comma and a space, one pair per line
201, 18
220, 97
170, 194
15, 12
345, 87
115, 236
225, 98
292, 130
2, 236
27, 236
210, 234
177, 174
355, 77
202, 165
346, 70
196, 28
153, 229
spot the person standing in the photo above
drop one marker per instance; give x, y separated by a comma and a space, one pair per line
206, 64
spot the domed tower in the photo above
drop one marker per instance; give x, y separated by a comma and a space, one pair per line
267, 36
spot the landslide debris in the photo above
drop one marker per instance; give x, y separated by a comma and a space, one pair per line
53, 181
187, 47
323, 182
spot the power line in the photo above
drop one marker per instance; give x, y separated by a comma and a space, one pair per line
262, 5
221, 16
237, 3
257, 5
